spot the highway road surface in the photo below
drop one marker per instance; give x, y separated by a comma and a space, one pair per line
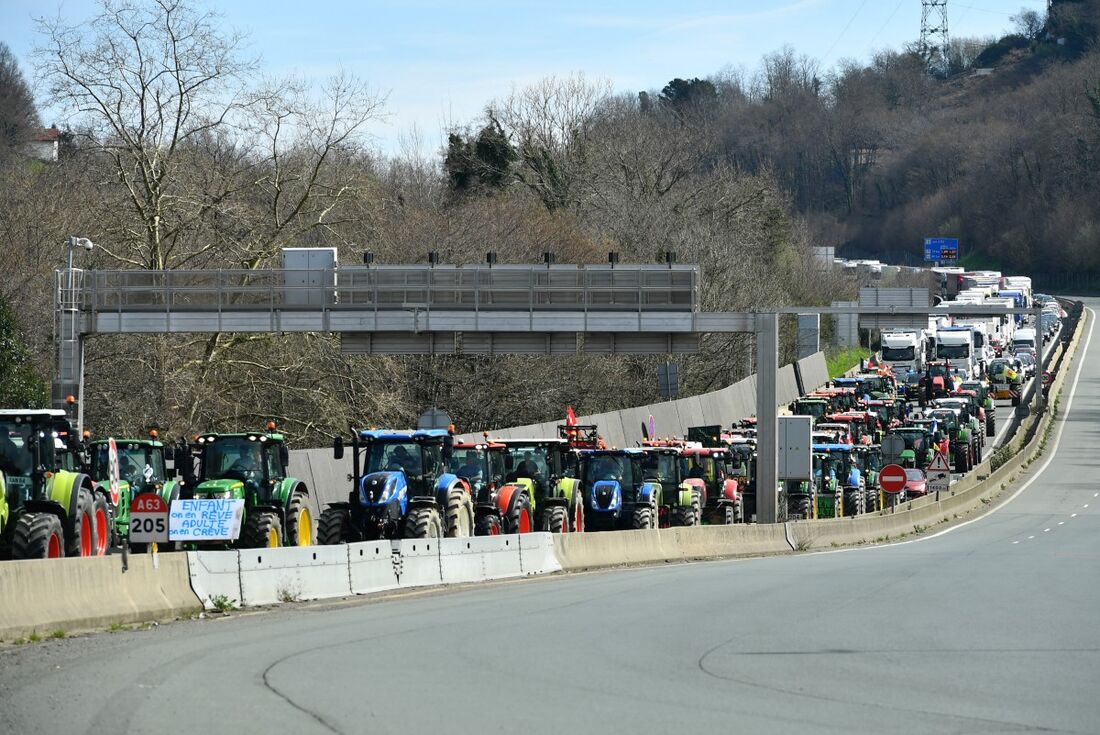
990, 627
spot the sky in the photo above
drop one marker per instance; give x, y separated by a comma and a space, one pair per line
440, 63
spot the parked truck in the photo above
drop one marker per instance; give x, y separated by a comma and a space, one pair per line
904, 350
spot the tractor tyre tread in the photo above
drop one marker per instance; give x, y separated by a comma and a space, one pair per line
422, 523
31, 538
298, 499
460, 514
333, 526
257, 530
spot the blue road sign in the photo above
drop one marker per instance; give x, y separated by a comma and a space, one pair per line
941, 249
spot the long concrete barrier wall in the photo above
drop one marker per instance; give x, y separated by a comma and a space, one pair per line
84, 594
38, 597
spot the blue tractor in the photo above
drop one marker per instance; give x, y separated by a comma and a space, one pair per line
615, 491
401, 488
840, 461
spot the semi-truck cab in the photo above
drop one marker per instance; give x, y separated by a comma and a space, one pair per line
956, 344
903, 350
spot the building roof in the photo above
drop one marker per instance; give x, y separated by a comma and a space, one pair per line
46, 135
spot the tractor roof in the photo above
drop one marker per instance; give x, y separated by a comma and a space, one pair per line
625, 451
32, 412
479, 445
142, 442
833, 447
251, 436
520, 442
414, 435
705, 451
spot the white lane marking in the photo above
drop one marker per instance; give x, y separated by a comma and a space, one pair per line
1095, 495
1072, 515
1030, 537
1015, 542
1085, 505
1081, 355
1046, 530
1000, 434
1061, 523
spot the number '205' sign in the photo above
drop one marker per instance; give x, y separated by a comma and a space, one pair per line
148, 519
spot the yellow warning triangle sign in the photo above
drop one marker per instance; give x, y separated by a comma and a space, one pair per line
939, 463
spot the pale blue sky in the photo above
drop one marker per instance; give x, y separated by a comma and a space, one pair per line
441, 62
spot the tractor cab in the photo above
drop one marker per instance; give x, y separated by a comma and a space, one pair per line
33, 444
919, 444
548, 471
141, 463
240, 466
815, 408
481, 465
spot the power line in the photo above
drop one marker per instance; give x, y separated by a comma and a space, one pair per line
933, 34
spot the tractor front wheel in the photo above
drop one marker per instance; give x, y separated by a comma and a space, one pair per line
38, 536
487, 524
460, 514
299, 520
682, 515
81, 532
332, 528
643, 518
519, 517
101, 518
558, 519
262, 530
423, 523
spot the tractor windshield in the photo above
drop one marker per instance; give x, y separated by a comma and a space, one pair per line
16, 453
913, 439
660, 466
232, 457
138, 464
814, 409
469, 464
395, 457
699, 466
609, 467
528, 460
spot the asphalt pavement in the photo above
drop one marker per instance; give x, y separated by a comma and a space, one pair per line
990, 626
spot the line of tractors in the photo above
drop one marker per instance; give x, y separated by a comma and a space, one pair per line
68, 495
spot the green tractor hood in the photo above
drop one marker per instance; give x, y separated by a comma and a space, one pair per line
220, 489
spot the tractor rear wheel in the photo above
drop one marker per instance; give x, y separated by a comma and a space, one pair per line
558, 519
643, 518
332, 527
81, 532
299, 520
104, 528
262, 530
38, 536
423, 523
460, 514
991, 426
578, 512
519, 518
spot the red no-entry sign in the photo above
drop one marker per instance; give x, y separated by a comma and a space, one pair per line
892, 478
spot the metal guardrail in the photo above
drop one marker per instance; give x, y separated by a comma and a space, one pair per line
386, 288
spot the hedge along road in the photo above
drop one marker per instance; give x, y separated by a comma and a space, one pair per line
988, 628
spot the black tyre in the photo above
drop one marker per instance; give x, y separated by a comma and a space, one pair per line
80, 534
558, 519
991, 426
520, 518
299, 520
697, 507
333, 527
460, 514
104, 522
487, 524
262, 531
423, 523
681, 515
643, 518
38, 536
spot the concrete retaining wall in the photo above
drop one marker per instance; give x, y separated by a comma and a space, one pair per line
74, 595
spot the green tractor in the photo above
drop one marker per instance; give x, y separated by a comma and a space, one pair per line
920, 444
869, 459
142, 468
50, 508
548, 471
253, 467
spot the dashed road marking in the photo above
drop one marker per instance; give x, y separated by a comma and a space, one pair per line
1072, 515
1030, 537
1046, 530
1015, 542
1061, 523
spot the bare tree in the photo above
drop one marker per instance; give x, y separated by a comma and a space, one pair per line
549, 125
18, 115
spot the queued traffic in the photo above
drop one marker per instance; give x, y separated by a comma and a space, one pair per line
925, 403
